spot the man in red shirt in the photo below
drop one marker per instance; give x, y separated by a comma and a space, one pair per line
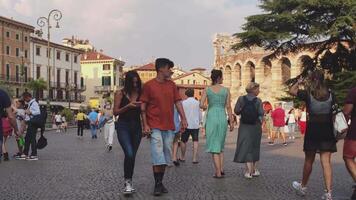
158, 99
349, 153
278, 116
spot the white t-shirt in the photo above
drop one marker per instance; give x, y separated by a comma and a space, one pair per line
291, 118
192, 113
58, 118
303, 116
63, 119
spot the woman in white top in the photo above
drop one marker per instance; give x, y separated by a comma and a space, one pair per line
21, 125
291, 124
109, 125
64, 123
58, 121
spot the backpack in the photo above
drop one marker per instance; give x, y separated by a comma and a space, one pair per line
249, 112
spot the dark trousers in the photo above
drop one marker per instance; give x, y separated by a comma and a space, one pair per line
129, 135
30, 140
80, 127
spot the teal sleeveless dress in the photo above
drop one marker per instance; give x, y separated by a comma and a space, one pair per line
216, 121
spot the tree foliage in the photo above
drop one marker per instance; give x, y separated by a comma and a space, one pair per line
37, 85
325, 27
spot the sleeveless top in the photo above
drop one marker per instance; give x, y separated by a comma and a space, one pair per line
133, 114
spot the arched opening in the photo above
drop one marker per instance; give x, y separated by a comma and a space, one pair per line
305, 61
227, 76
238, 74
250, 69
286, 69
267, 68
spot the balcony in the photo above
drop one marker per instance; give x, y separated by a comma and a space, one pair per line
79, 88
14, 79
102, 89
64, 98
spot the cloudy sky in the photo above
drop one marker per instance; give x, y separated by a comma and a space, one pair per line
140, 30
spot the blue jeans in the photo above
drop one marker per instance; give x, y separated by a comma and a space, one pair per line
93, 129
291, 129
161, 146
129, 135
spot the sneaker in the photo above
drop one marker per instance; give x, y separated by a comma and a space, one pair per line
353, 197
32, 158
293, 138
22, 157
290, 137
6, 156
248, 175
256, 173
269, 137
157, 191
271, 143
128, 187
285, 143
301, 191
176, 163
327, 196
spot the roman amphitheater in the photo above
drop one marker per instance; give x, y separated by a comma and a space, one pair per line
244, 66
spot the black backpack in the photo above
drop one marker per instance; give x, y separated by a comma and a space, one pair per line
249, 112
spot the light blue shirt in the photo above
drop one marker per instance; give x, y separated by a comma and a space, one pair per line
176, 120
93, 116
34, 109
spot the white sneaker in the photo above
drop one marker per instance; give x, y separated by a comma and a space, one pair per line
128, 187
256, 173
290, 137
327, 196
302, 191
248, 175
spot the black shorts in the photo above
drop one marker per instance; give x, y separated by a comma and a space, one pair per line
193, 132
58, 123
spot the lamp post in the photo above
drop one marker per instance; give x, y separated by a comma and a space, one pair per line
55, 15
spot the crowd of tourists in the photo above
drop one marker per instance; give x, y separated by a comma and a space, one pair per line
157, 111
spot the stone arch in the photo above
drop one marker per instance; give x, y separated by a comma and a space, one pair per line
238, 73
304, 61
227, 76
286, 66
250, 69
267, 68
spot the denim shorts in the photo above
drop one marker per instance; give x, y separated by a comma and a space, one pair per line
161, 146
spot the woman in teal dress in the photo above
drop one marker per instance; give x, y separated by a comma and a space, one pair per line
216, 99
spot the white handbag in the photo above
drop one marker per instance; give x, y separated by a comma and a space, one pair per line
340, 126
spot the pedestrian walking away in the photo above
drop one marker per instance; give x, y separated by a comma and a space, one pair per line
319, 136
158, 99
58, 121
128, 126
81, 117
219, 103
349, 152
291, 122
93, 118
194, 117
109, 124
250, 130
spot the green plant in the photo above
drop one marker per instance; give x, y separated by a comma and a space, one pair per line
68, 114
36, 86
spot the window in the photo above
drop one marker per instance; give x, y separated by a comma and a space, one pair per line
75, 77
38, 72
81, 82
17, 73
26, 38
67, 77
205, 82
58, 55
75, 59
181, 82
106, 66
7, 50
188, 82
17, 52
26, 54
58, 77
38, 51
17, 36
7, 71
17, 92
8, 34
106, 81
193, 82
25, 73
67, 57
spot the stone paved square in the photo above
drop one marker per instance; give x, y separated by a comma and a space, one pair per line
72, 168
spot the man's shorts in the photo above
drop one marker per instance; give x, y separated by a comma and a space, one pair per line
193, 132
349, 148
161, 146
279, 129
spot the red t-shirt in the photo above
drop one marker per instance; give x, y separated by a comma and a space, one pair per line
351, 99
278, 116
160, 99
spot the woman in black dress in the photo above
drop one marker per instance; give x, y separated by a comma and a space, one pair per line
319, 137
128, 126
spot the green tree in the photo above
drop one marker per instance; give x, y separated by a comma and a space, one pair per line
286, 26
325, 27
36, 86
68, 114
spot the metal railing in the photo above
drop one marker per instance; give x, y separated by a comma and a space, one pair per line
14, 79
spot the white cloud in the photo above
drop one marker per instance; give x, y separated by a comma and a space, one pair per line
138, 30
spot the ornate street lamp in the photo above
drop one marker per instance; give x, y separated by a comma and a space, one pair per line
55, 15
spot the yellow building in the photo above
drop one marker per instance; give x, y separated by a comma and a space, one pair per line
101, 74
193, 80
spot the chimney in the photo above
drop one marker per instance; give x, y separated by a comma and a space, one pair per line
97, 55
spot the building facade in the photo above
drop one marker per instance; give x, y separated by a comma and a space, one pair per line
14, 55
101, 74
251, 65
66, 85
193, 80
